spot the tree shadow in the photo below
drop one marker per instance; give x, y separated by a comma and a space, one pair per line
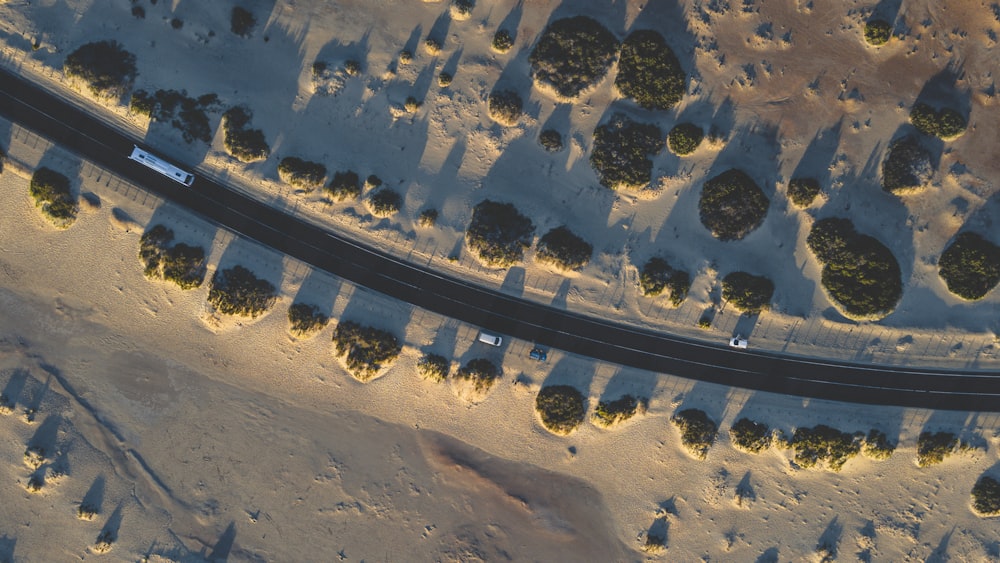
513, 282
887, 10
819, 155
770, 555
829, 540
439, 29
339, 52
445, 340
112, 526
46, 434
559, 301
943, 91
369, 308
657, 532
570, 371
14, 387
7, 545
220, 551
745, 490
450, 65
640, 384
512, 20
319, 289
94, 498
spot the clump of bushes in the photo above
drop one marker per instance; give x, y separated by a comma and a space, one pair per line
427, 218
52, 194
104, 66
305, 318
748, 293
684, 138
561, 408
505, 106
551, 140
247, 145
502, 41
986, 496
944, 124
697, 431
563, 249
933, 447
609, 413
860, 274
802, 191
186, 114
385, 202
300, 173
480, 372
237, 291
367, 348
621, 152
180, 263
877, 32
242, 22
433, 367
877, 445
970, 267
657, 275
907, 166
649, 72
824, 444
498, 233
344, 185
572, 54
750, 436
732, 205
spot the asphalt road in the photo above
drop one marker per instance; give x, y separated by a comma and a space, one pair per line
102, 144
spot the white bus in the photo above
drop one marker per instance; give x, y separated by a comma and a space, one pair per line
161, 166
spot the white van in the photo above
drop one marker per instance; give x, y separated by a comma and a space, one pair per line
491, 339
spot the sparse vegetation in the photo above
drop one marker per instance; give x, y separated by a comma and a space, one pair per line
303, 174
657, 275
86, 512
697, 431
237, 291
444, 79
907, 166
179, 263
433, 367
105, 541
427, 218
572, 54
385, 202
824, 444
877, 445
498, 233
877, 32
305, 318
945, 123
352, 67
986, 496
748, 293
750, 436
480, 372
188, 115
432, 45
551, 140
104, 66
35, 483
505, 107
621, 152
52, 194
367, 348
649, 72
684, 138
609, 413
563, 249
502, 41
732, 205
561, 408
803, 191
242, 21
859, 273
247, 145
933, 447
405, 57
344, 185
970, 266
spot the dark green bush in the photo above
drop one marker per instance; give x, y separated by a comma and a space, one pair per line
385, 202
444, 79
859, 273
750, 436
563, 249
236, 291
822, 443
344, 185
306, 318
697, 431
802, 191
498, 233
242, 22
405, 57
352, 67
367, 348
621, 152
749, 293
247, 145
139, 12
52, 194
732, 205
502, 41
433, 45
462, 9
561, 408
649, 72
684, 138
877, 32
480, 372
433, 367
986, 496
186, 114
877, 445
427, 218
907, 166
176, 23
505, 106
944, 124
105, 66
411, 105
933, 447
609, 413
572, 54
301, 173
551, 140
657, 275
970, 266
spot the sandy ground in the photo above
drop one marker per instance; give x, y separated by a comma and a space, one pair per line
194, 448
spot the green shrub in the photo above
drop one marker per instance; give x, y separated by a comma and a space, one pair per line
305, 318
802, 191
367, 348
657, 275
561, 408
572, 54
877, 445
877, 32
242, 22
505, 106
105, 66
498, 233
236, 291
684, 138
621, 152
432, 45
480, 372
433, 367
462, 9
907, 166
750, 436
186, 114
649, 72
860, 274
933, 447
563, 249
502, 41
970, 266
823, 444
609, 413
411, 105
551, 140
247, 145
52, 194
944, 124
301, 173
385, 202
444, 79
748, 293
344, 185
697, 431
986, 496
427, 218
732, 205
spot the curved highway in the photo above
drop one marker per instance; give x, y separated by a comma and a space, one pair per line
74, 129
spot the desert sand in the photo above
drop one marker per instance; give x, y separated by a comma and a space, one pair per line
195, 437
